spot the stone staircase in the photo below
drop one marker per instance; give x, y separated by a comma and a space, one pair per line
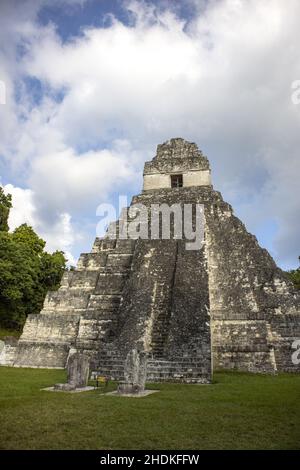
160, 325
110, 366
180, 369
158, 370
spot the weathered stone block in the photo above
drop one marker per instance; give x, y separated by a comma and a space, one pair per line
78, 369
135, 373
77, 372
110, 283
91, 261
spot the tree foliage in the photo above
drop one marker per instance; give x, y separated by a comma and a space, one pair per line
5, 205
27, 272
294, 275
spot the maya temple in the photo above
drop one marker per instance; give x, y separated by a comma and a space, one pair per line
224, 306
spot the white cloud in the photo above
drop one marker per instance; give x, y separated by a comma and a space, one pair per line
59, 236
223, 80
23, 210
71, 181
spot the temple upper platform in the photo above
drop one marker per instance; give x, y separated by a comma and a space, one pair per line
177, 163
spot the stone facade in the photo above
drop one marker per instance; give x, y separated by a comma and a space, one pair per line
8, 348
227, 304
177, 157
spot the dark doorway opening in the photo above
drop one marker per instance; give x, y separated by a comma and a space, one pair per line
176, 181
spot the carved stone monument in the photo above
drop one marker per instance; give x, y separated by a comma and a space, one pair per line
77, 372
135, 373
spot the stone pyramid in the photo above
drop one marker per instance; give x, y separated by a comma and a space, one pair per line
226, 305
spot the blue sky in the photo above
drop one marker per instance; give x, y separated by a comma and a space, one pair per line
92, 86
71, 19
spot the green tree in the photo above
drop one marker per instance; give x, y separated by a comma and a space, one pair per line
27, 272
294, 275
18, 277
5, 205
53, 267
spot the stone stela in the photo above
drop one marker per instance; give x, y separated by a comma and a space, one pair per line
135, 373
226, 305
77, 372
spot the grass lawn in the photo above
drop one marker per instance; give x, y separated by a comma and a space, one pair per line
238, 411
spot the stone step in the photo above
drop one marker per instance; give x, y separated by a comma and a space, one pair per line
104, 301
111, 364
91, 261
103, 244
124, 270
119, 260
84, 279
110, 283
76, 298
